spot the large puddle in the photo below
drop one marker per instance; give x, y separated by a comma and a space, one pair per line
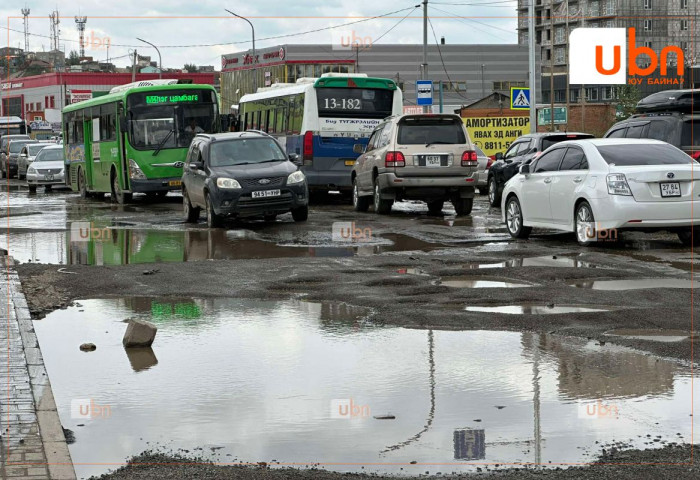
543, 261
633, 284
302, 382
120, 246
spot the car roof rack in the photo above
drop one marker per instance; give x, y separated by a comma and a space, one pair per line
258, 131
681, 101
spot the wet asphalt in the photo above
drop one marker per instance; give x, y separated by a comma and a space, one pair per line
409, 269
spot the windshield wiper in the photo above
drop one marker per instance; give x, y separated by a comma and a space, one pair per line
162, 142
273, 160
436, 143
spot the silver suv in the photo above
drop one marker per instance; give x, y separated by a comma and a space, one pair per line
425, 157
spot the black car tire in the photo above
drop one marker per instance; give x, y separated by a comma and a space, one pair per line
514, 219
690, 237
271, 217
435, 207
32, 188
381, 206
484, 190
300, 214
190, 212
48, 188
213, 220
463, 206
583, 214
361, 204
118, 195
494, 192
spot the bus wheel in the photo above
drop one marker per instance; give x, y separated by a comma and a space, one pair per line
82, 185
118, 195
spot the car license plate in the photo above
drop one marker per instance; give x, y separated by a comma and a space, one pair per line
48, 177
175, 183
432, 161
266, 193
671, 189
349, 163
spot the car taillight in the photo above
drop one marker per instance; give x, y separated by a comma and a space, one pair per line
308, 146
696, 156
469, 159
394, 159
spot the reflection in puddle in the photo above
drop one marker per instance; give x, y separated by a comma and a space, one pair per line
411, 271
651, 334
120, 246
479, 282
255, 377
633, 284
545, 261
534, 309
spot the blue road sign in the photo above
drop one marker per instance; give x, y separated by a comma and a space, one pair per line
519, 98
424, 92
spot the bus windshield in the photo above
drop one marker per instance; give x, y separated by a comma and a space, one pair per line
354, 102
170, 119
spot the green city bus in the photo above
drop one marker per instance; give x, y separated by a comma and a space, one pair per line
135, 139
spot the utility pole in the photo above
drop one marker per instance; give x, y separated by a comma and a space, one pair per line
25, 14
568, 69
424, 65
133, 69
551, 65
533, 66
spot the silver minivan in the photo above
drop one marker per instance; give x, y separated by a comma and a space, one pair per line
426, 157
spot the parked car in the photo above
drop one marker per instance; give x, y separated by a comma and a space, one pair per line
242, 174
482, 170
9, 166
522, 150
596, 188
416, 157
26, 157
4, 151
47, 169
675, 128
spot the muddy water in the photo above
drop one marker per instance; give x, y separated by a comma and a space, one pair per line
543, 261
634, 284
479, 282
263, 380
109, 245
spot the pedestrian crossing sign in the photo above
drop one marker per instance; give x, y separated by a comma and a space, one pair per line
519, 98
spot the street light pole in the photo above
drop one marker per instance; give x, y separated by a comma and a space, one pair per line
424, 66
160, 60
255, 73
533, 75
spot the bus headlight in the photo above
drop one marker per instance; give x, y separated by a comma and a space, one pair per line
296, 177
135, 171
227, 183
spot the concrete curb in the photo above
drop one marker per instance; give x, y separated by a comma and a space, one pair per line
58, 460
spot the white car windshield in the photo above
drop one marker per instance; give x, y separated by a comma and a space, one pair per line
643, 154
35, 148
49, 155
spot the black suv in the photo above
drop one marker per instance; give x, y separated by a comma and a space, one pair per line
522, 151
675, 128
242, 174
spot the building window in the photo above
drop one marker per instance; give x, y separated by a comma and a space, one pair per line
594, 9
560, 96
684, 25
591, 94
53, 101
560, 35
647, 5
649, 45
684, 4
560, 55
574, 94
608, 93
647, 25
38, 105
609, 7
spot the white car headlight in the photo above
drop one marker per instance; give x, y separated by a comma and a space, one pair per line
135, 171
296, 177
617, 184
31, 171
227, 183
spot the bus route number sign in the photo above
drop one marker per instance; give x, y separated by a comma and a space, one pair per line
161, 99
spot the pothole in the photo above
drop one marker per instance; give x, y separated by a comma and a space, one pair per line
534, 309
543, 261
632, 284
478, 282
656, 335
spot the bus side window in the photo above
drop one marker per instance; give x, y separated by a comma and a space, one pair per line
79, 138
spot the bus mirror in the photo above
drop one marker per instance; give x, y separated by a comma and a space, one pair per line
358, 148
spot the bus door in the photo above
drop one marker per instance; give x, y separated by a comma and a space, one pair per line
90, 170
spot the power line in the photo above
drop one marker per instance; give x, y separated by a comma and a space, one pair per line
464, 20
473, 4
442, 60
275, 37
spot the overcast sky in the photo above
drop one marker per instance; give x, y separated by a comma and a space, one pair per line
227, 34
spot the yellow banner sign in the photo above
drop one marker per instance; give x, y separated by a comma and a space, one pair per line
495, 134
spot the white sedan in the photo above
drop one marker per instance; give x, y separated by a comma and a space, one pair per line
597, 187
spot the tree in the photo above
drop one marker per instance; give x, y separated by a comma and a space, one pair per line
73, 58
191, 68
627, 98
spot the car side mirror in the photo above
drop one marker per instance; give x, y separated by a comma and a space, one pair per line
197, 166
525, 169
358, 148
23, 155
499, 156
294, 158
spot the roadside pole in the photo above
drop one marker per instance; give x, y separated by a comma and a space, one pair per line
424, 66
531, 52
